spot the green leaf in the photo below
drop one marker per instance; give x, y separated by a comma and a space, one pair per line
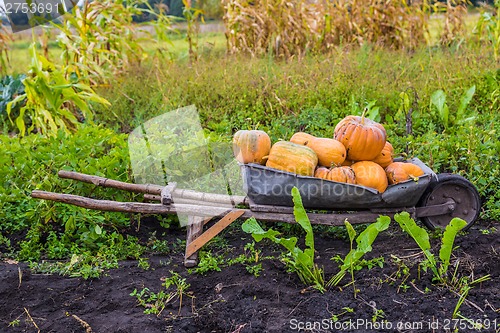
464, 101
70, 225
289, 244
20, 122
419, 235
301, 217
365, 240
452, 229
251, 226
302, 262
364, 245
98, 229
350, 230
438, 99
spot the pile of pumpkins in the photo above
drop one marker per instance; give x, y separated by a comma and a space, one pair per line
358, 153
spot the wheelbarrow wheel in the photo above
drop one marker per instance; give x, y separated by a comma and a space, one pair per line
461, 191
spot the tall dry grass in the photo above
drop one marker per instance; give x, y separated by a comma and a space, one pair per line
294, 27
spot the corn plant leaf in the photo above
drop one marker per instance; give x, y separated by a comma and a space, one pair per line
452, 229
20, 122
13, 103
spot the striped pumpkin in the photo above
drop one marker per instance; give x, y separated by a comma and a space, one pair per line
291, 157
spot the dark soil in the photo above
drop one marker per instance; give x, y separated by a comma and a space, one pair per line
233, 300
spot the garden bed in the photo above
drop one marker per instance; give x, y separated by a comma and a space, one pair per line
233, 300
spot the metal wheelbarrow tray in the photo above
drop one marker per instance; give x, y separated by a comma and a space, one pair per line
434, 199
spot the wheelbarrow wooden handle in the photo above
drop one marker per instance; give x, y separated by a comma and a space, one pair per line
130, 207
152, 189
273, 213
106, 182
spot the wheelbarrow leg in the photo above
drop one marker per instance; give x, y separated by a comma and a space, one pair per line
194, 230
196, 238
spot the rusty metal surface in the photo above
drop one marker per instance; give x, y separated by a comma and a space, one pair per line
266, 186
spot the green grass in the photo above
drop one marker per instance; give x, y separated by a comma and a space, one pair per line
239, 92
209, 44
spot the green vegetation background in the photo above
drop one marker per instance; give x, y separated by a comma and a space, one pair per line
237, 92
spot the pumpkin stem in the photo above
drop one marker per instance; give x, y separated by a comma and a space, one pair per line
363, 116
414, 178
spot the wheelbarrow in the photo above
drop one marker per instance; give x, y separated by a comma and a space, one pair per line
433, 198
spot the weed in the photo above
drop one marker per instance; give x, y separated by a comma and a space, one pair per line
218, 243
208, 263
298, 260
14, 323
346, 310
156, 245
421, 237
79, 266
250, 259
362, 263
175, 289
144, 264
4, 241
440, 271
438, 99
488, 231
465, 287
378, 315
364, 245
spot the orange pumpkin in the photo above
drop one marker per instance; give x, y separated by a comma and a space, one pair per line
386, 155
370, 174
330, 151
321, 172
363, 138
251, 146
291, 157
398, 172
343, 174
302, 138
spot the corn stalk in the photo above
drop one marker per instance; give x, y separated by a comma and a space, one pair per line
487, 29
294, 27
100, 40
454, 12
5, 40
